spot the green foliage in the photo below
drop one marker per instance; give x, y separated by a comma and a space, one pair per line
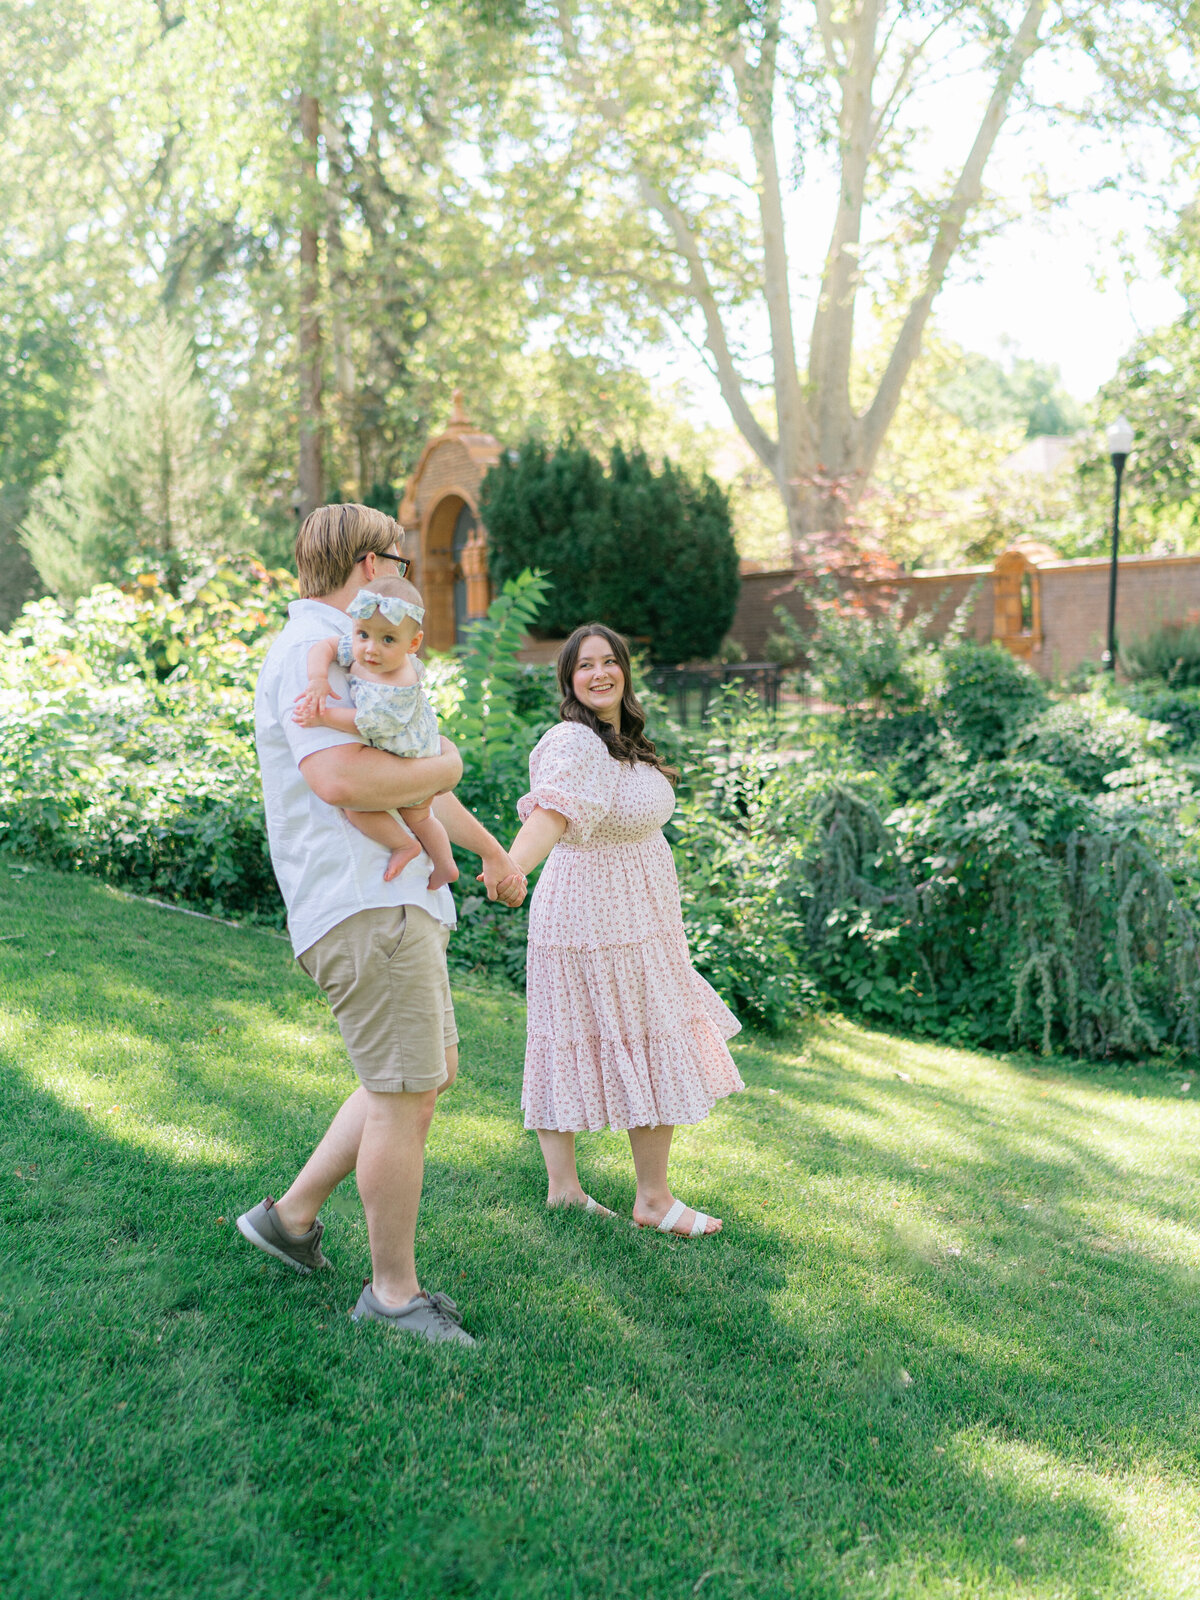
733, 866
140, 486
869, 659
1085, 739
650, 553
495, 710
990, 395
1008, 906
1177, 710
126, 731
1048, 895
1170, 652
40, 368
987, 697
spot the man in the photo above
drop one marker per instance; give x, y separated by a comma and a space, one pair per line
377, 949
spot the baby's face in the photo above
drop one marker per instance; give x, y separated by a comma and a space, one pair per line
383, 646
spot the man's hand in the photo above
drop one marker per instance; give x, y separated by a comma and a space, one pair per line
502, 878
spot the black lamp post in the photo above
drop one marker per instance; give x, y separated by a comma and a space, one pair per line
1119, 435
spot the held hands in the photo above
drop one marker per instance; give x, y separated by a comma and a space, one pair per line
503, 880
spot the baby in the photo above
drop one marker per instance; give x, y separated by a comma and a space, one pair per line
390, 710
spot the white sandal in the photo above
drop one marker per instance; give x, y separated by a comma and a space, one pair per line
667, 1225
589, 1204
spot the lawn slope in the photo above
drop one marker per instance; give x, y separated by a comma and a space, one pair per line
947, 1344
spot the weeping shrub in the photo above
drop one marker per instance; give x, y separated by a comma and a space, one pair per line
1010, 908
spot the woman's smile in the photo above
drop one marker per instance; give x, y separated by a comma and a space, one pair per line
598, 681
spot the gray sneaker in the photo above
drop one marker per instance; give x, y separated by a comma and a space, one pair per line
301, 1252
433, 1316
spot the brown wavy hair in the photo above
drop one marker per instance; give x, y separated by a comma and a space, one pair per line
631, 743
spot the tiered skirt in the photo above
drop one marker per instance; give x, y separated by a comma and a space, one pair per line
623, 1031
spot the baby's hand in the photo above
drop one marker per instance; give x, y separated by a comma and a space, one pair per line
311, 705
317, 693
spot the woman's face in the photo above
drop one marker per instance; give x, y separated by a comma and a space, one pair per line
598, 681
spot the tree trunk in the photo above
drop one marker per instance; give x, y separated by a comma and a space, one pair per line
312, 422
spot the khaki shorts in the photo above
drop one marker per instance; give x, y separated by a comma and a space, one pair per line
384, 971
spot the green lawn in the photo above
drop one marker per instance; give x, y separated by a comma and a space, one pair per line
946, 1345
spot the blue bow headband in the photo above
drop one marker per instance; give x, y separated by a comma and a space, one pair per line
366, 602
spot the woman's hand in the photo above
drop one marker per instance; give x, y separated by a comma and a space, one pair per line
502, 878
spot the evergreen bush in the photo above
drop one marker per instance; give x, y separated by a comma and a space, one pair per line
141, 487
649, 553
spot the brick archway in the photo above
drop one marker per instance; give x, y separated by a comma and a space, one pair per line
1017, 598
440, 510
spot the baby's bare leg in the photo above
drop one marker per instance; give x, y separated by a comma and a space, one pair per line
385, 830
436, 842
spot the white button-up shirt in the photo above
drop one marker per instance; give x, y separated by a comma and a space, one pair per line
327, 869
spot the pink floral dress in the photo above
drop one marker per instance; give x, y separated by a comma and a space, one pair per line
623, 1031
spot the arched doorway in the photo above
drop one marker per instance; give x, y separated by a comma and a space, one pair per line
441, 573
441, 507
464, 531
1017, 597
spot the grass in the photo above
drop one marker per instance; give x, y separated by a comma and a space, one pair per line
946, 1346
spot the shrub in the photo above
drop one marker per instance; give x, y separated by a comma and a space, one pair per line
127, 737
1171, 652
867, 659
987, 697
1177, 710
650, 553
1085, 739
1008, 907
733, 858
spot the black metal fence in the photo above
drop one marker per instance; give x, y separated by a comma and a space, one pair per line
690, 691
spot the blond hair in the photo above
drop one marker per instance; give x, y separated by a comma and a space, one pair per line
333, 538
399, 587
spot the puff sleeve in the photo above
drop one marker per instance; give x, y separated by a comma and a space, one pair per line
571, 772
345, 653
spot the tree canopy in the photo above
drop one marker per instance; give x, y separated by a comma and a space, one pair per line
676, 168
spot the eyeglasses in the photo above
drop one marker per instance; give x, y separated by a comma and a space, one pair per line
402, 562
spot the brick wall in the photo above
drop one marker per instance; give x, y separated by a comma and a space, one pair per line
938, 594
1151, 590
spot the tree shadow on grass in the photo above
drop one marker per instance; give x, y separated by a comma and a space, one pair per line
760, 1414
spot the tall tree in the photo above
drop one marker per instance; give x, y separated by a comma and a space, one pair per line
671, 141
140, 482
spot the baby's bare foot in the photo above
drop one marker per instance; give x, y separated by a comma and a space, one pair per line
399, 859
440, 876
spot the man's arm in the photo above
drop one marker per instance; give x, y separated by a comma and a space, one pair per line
469, 833
357, 777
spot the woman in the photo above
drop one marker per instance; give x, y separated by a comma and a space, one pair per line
623, 1032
